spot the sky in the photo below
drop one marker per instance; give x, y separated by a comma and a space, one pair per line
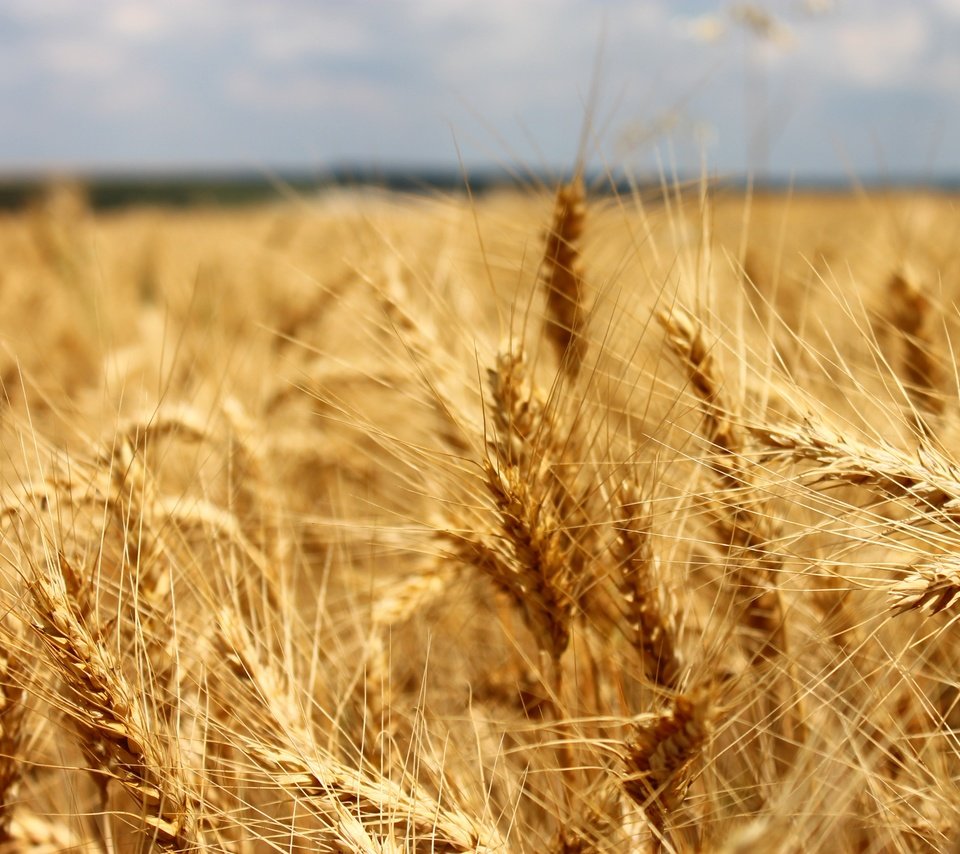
792, 88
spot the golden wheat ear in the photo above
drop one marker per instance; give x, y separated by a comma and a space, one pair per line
932, 585
112, 722
661, 756
653, 626
353, 804
745, 529
562, 274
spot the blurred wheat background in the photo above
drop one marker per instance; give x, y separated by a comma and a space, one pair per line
546, 521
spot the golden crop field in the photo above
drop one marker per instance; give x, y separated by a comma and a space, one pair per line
546, 522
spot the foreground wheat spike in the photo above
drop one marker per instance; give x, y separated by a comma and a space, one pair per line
283, 746
685, 336
931, 585
523, 430
527, 557
527, 548
653, 628
741, 523
111, 722
660, 758
563, 276
927, 477
531, 434
746, 531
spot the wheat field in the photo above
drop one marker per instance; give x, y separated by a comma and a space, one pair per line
555, 521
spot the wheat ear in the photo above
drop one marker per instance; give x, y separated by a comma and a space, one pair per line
741, 524
931, 585
537, 570
563, 276
108, 715
284, 748
746, 531
926, 478
653, 628
527, 550
662, 753
686, 339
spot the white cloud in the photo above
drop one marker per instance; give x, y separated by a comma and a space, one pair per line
949, 7
880, 49
71, 57
136, 21
28, 11
288, 41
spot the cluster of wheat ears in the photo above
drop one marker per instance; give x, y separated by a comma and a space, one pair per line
523, 523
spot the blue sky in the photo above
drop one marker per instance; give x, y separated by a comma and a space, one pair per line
817, 88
